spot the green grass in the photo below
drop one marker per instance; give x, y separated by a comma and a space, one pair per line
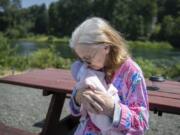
45, 39
149, 45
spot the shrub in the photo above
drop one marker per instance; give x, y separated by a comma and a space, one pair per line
149, 45
43, 58
18, 63
174, 71
13, 33
63, 63
5, 50
150, 68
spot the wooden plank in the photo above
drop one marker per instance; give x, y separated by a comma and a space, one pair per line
7, 130
51, 74
164, 101
173, 82
54, 80
169, 89
164, 94
167, 86
170, 82
163, 104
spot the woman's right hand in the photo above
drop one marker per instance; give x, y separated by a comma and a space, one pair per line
85, 97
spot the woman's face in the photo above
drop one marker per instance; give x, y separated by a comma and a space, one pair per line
93, 55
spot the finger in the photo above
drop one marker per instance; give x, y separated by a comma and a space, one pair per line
91, 109
88, 91
95, 105
99, 92
102, 94
97, 98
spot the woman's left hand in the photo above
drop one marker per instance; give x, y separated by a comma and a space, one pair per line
105, 101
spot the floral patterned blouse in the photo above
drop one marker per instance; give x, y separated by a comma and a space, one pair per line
131, 116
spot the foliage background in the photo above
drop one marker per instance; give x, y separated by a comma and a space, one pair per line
152, 25
136, 19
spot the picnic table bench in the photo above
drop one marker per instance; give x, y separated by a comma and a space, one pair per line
7, 130
59, 83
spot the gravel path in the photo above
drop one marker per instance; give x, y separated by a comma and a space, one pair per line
22, 107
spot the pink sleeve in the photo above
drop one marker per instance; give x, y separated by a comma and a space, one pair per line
134, 113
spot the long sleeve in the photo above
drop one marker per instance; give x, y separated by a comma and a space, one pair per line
74, 108
134, 114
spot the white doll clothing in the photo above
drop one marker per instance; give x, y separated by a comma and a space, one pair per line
96, 80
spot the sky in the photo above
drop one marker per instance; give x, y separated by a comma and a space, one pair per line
27, 3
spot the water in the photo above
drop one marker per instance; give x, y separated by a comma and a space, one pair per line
152, 54
25, 48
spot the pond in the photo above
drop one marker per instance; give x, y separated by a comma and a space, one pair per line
150, 53
26, 48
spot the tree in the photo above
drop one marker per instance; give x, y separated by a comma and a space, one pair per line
168, 7
167, 27
4, 4
103, 8
170, 30
135, 18
68, 14
53, 18
169, 20
41, 21
175, 38
9, 14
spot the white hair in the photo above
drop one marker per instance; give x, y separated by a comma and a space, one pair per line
89, 32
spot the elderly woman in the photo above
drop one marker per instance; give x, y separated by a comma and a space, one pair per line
101, 47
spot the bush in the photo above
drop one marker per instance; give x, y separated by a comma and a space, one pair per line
18, 63
150, 68
147, 66
63, 63
5, 50
149, 45
43, 58
173, 71
13, 33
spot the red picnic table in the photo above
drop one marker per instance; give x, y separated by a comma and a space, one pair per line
59, 82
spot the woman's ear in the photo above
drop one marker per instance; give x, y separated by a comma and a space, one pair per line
107, 49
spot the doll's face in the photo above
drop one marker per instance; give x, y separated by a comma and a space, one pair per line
93, 55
